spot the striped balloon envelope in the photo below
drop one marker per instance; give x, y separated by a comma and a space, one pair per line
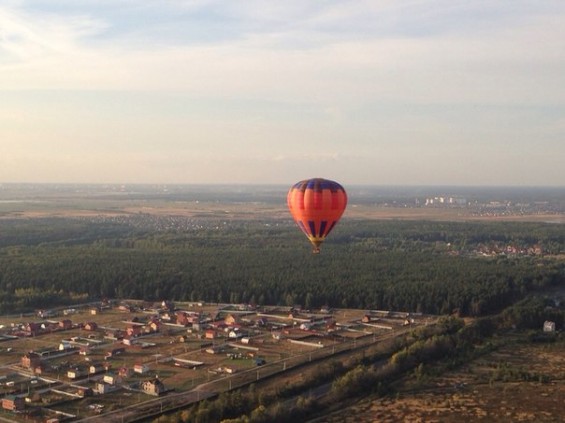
316, 205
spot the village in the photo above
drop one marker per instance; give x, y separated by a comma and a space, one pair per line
75, 363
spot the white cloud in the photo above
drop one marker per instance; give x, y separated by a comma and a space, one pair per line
33, 37
498, 66
280, 86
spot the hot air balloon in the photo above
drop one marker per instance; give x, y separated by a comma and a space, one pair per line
316, 205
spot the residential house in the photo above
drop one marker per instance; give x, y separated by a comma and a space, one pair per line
31, 360
129, 341
115, 352
76, 373
13, 403
133, 330
548, 326
230, 320
96, 368
219, 324
277, 335
84, 391
46, 313
140, 368
168, 305
182, 318
112, 379
104, 388
235, 334
66, 346
114, 335
366, 318
215, 350
125, 371
125, 308
32, 328
90, 326
154, 326
65, 324
153, 387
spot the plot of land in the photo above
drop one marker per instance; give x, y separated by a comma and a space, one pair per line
74, 353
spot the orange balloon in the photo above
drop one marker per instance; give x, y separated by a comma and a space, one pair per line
316, 205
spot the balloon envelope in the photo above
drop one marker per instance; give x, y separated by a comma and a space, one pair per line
316, 205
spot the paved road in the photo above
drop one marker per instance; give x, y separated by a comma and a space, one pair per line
151, 407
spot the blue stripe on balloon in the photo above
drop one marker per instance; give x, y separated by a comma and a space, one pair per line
323, 225
312, 225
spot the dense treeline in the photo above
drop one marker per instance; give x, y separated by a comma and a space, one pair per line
418, 266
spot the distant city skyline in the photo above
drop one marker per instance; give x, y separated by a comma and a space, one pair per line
437, 92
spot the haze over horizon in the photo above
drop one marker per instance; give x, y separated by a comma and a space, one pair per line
212, 92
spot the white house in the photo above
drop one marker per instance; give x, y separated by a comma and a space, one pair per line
548, 326
140, 368
112, 379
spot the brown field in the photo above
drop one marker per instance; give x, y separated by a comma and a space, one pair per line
473, 394
255, 211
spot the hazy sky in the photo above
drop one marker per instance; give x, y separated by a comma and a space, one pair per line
364, 92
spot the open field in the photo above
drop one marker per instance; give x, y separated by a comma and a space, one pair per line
261, 211
269, 202
489, 389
